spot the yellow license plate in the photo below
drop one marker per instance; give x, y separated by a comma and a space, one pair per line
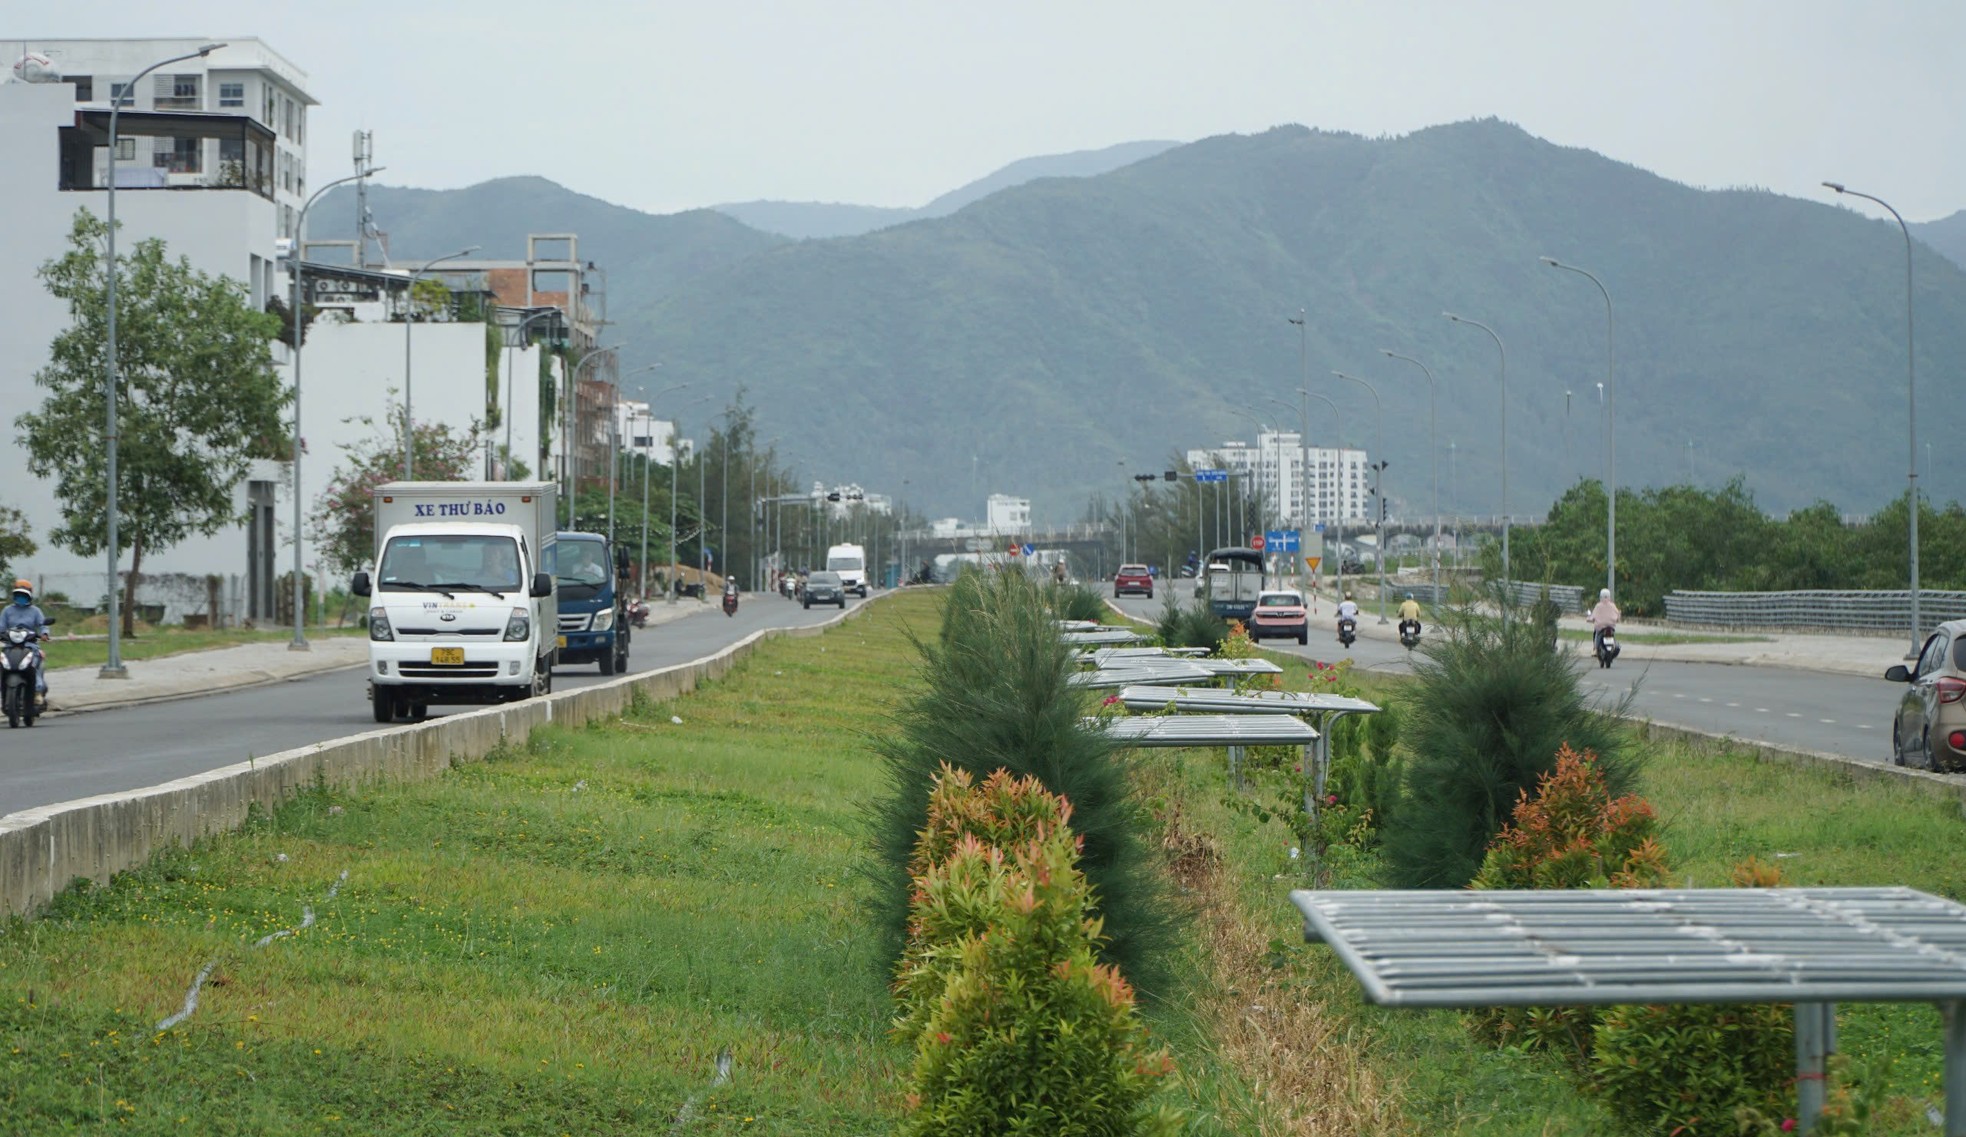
563, 641
447, 655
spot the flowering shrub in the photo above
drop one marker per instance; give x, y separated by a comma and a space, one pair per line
1016, 1026
1574, 834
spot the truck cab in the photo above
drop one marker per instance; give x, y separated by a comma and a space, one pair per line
590, 572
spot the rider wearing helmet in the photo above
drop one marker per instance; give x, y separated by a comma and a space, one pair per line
1603, 617
23, 613
1409, 609
1348, 608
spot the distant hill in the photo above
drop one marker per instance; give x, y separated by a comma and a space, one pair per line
1947, 234
824, 219
646, 255
1051, 336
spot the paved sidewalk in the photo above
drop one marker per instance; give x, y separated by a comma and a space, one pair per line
75, 689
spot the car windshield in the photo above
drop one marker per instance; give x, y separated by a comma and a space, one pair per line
580, 566
824, 578
844, 564
1133, 570
479, 561
1281, 600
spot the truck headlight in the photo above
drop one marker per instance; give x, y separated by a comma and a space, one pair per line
379, 624
604, 620
519, 626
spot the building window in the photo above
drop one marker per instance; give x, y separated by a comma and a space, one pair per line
126, 149
268, 118
85, 88
121, 95
179, 155
232, 95
177, 93
232, 162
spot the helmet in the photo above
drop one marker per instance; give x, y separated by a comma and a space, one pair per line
1409, 596
24, 586
1604, 594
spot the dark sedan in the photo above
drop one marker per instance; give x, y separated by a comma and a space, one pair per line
824, 588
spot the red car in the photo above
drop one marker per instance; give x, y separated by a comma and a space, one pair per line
1280, 615
1133, 578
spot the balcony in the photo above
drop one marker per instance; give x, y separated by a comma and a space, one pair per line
246, 152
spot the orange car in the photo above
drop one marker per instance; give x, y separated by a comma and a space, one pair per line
1280, 614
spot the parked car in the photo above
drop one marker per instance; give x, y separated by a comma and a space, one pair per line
1929, 729
1133, 579
1280, 614
824, 587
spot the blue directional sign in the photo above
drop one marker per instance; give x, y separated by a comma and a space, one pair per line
1211, 475
1281, 540
1027, 550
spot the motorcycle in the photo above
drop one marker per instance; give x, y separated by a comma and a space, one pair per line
1409, 634
21, 661
1347, 630
638, 613
1607, 646
730, 601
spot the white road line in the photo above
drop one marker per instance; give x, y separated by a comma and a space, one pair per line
1831, 722
1794, 715
1733, 704
1706, 700
1763, 710
1863, 726
1677, 695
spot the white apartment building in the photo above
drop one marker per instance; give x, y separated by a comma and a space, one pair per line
1338, 487
640, 432
1008, 515
212, 161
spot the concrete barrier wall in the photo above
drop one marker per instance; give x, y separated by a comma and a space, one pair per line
43, 851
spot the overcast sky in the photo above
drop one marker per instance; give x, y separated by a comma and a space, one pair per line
679, 103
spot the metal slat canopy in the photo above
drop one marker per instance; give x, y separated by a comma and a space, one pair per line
1211, 701
1813, 947
1130, 673
1210, 730
1105, 636
1240, 666
1107, 656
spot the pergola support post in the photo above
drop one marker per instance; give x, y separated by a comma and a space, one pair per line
1953, 1014
1815, 1041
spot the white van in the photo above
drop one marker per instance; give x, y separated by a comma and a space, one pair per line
850, 561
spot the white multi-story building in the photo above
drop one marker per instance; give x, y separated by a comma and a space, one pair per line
211, 159
642, 433
1008, 515
1338, 486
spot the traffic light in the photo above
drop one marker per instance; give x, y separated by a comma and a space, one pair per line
1382, 510
1171, 476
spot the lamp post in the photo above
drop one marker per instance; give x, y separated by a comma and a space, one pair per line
1338, 509
1505, 437
295, 266
1378, 466
113, 668
520, 333
1302, 320
570, 421
1611, 436
674, 572
614, 443
1433, 452
409, 321
1256, 466
1911, 406
758, 512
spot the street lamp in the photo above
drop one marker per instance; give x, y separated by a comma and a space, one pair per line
758, 509
1611, 436
294, 265
520, 334
1256, 466
1433, 451
570, 421
1338, 508
1378, 466
674, 572
114, 669
1505, 437
1911, 405
614, 443
409, 321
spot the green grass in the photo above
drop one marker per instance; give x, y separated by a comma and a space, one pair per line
156, 643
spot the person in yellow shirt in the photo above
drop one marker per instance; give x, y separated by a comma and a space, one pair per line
1409, 609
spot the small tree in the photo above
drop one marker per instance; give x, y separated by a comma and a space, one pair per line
197, 401
344, 514
14, 539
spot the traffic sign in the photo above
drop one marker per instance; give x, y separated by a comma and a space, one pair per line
1312, 563
976, 544
1211, 475
1013, 549
1027, 550
1282, 540
1256, 542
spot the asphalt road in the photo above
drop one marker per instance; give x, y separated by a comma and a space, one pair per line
1808, 710
76, 756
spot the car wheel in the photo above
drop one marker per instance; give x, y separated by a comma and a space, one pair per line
1303, 638
1925, 747
1897, 745
842, 603
1150, 594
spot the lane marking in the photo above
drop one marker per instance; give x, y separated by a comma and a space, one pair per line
1794, 715
1831, 722
1763, 710
1705, 700
1733, 704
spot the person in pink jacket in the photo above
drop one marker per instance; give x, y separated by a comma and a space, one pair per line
1603, 617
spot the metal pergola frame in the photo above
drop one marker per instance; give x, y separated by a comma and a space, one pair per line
1323, 709
1234, 732
1812, 947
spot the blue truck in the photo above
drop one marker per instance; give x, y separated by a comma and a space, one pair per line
594, 627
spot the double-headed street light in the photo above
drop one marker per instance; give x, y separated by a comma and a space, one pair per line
409, 321
570, 421
1433, 451
1911, 406
1610, 432
1504, 352
1338, 507
614, 446
1378, 465
114, 669
296, 263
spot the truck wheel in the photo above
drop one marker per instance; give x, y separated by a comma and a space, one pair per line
607, 662
385, 704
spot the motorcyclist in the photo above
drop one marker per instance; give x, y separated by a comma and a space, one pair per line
1409, 610
1348, 609
1603, 617
24, 613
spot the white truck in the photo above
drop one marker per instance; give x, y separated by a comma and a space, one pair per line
850, 561
463, 603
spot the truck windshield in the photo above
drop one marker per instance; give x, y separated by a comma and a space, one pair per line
465, 560
844, 564
581, 567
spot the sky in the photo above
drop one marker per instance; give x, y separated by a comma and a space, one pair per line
675, 104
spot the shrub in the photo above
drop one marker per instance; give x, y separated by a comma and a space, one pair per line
1019, 1029
1491, 704
1194, 626
1077, 602
993, 695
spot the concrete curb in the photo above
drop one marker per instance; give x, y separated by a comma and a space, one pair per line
44, 850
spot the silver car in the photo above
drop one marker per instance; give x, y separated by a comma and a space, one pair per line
1930, 727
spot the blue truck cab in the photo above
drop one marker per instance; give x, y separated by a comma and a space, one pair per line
593, 604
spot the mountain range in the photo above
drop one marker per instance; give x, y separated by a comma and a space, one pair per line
1054, 336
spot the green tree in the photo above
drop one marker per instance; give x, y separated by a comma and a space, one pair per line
197, 400
14, 539
344, 514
